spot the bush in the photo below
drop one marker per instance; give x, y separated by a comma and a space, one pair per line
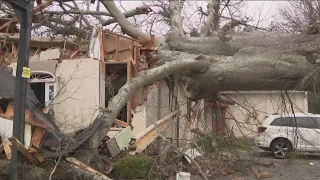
133, 167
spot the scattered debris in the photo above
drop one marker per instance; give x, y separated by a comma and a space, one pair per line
50, 54
183, 176
260, 175
87, 168
144, 139
192, 153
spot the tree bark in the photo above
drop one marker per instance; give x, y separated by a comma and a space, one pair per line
123, 21
249, 61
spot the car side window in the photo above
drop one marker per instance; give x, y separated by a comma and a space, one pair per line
307, 122
282, 121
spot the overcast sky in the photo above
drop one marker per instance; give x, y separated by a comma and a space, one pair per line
261, 12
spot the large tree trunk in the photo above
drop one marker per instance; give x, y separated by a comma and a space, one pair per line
249, 61
115, 105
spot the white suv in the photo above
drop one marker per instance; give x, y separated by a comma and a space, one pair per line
280, 134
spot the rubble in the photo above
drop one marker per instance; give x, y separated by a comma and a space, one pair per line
192, 153
50, 54
260, 175
183, 176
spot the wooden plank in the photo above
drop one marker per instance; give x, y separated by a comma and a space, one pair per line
87, 168
37, 136
29, 118
35, 153
1, 148
256, 172
121, 123
144, 139
35, 10
49, 165
43, 41
15, 143
10, 110
38, 51
129, 103
74, 53
260, 175
117, 47
7, 149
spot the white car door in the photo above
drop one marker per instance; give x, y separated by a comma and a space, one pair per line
307, 134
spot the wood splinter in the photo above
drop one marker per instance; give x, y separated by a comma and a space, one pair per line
89, 169
260, 175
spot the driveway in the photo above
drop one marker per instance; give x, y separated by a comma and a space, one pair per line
299, 167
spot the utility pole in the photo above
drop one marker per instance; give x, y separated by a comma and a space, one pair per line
24, 12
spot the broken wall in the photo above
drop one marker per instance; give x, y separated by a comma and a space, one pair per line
158, 106
252, 107
77, 101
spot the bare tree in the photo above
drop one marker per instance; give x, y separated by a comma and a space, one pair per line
301, 16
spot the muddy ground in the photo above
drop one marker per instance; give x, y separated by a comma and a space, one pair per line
298, 167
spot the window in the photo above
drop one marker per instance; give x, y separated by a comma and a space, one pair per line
305, 122
282, 122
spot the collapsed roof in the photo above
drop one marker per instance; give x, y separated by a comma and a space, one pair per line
7, 89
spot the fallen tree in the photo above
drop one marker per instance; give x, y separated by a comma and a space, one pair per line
223, 61
244, 61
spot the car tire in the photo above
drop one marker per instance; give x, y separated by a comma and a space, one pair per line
281, 148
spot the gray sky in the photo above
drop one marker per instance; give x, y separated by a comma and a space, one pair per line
262, 12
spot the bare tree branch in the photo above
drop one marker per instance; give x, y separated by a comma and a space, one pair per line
126, 26
143, 79
213, 20
175, 17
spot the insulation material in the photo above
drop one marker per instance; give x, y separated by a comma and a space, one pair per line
124, 137
6, 130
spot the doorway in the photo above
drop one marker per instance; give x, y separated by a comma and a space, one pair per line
39, 90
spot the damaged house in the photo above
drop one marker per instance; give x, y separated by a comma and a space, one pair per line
74, 84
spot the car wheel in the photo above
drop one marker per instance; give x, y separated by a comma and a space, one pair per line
281, 148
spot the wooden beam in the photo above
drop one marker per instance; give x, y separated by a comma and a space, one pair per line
87, 168
43, 42
35, 10
144, 139
1, 148
37, 136
129, 103
73, 53
121, 123
29, 118
15, 143
117, 47
7, 149
38, 51
49, 165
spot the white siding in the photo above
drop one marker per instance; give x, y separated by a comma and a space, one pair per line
77, 102
252, 107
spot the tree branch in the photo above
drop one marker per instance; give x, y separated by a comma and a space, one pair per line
120, 99
176, 18
213, 19
131, 13
126, 26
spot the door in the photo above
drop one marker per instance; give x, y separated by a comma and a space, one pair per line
307, 133
218, 121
